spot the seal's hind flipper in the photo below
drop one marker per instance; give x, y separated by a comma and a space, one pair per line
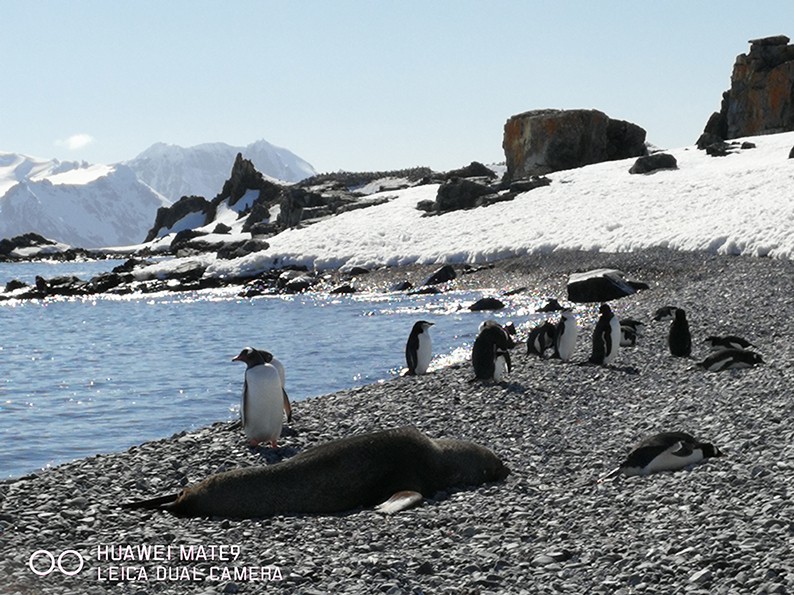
152, 503
399, 501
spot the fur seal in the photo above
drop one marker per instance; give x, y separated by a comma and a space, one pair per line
338, 476
666, 451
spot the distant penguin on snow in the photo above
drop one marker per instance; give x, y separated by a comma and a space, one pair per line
667, 451
262, 405
730, 359
679, 339
490, 353
606, 337
565, 335
419, 348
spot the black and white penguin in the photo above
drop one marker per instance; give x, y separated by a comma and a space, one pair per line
716, 343
565, 335
541, 339
271, 359
731, 359
679, 340
262, 405
664, 314
419, 348
490, 354
606, 337
667, 451
630, 329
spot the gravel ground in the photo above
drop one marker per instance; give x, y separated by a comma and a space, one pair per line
725, 526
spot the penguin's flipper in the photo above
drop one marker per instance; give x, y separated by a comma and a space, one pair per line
151, 503
611, 476
681, 449
287, 405
399, 501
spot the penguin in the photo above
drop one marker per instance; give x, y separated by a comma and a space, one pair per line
629, 331
679, 340
270, 359
490, 353
667, 451
606, 337
731, 359
664, 314
716, 343
263, 398
419, 348
541, 338
565, 335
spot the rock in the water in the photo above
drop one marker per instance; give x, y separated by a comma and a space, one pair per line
442, 275
601, 285
487, 303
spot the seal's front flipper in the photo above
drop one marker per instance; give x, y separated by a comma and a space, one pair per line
399, 501
152, 503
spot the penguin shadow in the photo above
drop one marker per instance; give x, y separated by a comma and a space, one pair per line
630, 370
274, 455
513, 387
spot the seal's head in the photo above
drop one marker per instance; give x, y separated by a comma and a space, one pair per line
466, 463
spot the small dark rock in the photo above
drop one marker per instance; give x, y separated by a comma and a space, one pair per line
15, 284
343, 289
222, 228
428, 206
551, 306
527, 184
600, 285
442, 275
487, 303
650, 163
791, 153
402, 286
355, 271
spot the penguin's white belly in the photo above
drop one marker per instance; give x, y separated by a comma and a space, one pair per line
666, 461
424, 353
500, 368
263, 403
614, 331
568, 341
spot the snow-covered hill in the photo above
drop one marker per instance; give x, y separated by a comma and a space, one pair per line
89, 206
201, 170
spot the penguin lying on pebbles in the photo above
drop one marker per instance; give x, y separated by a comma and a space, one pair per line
716, 343
629, 331
262, 406
490, 353
667, 451
419, 348
664, 314
730, 359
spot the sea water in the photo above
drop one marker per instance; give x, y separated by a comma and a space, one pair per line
91, 375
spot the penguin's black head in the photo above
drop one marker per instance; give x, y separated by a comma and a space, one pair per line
709, 450
250, 356
604, 309
679, 314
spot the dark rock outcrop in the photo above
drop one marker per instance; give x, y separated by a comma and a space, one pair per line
761, 97
542, 141
487, 303
459, 193
601, 285
167, 217
650, 163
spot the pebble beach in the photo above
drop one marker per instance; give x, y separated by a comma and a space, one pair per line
724, 526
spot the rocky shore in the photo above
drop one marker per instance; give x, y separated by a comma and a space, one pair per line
725, 526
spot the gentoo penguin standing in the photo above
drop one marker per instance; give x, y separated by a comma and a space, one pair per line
727, 342
419, 348
731, 359
679, 339
667, 451
565, 335
263, 398
541, 338
270, 359
490, 353
606, 337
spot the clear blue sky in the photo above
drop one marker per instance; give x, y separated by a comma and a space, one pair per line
358, 84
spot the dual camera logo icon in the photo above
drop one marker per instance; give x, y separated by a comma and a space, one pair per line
68, 562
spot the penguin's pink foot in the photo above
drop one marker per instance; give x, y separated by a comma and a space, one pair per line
253, 443
273, 444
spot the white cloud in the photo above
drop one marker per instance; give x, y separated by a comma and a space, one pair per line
76, 141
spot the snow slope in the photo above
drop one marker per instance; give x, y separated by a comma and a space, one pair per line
85, 206
201, 170
738, 204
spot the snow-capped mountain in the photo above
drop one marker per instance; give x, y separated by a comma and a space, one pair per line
89, 206
201, 170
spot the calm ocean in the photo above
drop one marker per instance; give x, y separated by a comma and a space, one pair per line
86, 376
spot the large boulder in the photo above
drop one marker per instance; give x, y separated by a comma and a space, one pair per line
651, 163
761, 97
187, 213
542, 141
601, 285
